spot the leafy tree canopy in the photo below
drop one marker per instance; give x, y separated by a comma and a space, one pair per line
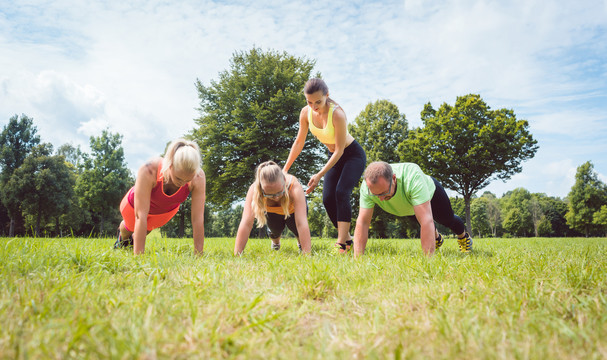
251, 115
380, 128
43, 185
105, 178
586, 197
467, 145
18, 137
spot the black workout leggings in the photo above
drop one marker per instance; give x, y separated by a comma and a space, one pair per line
443, 212
341, 180
276, 223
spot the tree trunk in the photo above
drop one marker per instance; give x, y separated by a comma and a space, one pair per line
11, 229
57, 230
468, 219
181, 232
37, 229
101, 223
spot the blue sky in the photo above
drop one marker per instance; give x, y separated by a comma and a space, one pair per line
79, 67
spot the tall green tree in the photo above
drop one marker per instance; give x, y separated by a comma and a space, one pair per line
17, 139
380, 128
43, 185
73, 155
600, 218
555, 209
479, 216
251, 115
467, 145
518, 219
586, 197
494, 212
105, 178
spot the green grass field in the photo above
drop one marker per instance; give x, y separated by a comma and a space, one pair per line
510, 299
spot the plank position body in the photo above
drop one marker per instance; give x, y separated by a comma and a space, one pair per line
404, 190
162, 184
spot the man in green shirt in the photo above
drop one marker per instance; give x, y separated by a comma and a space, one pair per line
404, 190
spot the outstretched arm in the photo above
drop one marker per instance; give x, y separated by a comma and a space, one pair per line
246, 224
361, 232
300, 140
423, 213
198, 186
146, 179
301, 217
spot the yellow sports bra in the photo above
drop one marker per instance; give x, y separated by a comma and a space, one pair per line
325, 135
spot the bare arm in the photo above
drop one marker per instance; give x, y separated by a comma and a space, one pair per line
339, 124
423, 213
300, 140
301, 217
146, 179
246, 224
361, 232
198, 186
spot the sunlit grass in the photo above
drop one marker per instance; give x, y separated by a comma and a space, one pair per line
511, 298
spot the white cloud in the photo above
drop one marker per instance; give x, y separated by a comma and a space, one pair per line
79, 67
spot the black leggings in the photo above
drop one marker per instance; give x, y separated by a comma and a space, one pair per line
276, 223
341, 180
442, 212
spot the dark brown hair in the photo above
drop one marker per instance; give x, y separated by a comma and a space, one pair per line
317, 84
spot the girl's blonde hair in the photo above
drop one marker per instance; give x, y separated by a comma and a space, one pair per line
183, 155
268, 172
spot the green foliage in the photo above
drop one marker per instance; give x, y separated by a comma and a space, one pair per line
104, 180
518, 298
319, 222
42, 187
17, 139
586, 197
480, 217
72, 155
467, 145
518, 220
251, 115
600, 218
380, 128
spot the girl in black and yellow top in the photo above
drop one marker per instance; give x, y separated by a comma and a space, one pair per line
347, 159
276, 200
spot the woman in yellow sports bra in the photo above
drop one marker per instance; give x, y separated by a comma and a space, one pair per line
347, 159
276, 200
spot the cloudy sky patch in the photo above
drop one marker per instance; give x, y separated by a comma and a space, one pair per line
130, 66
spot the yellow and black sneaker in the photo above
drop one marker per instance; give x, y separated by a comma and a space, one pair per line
439, 241
465, 243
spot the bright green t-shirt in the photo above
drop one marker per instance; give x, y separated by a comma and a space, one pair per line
413, 187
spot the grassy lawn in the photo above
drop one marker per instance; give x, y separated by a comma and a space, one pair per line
510, 299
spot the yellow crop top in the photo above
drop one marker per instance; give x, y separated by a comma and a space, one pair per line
325, 135
278, 209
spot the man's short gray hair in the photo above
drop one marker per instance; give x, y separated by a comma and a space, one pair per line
378, 169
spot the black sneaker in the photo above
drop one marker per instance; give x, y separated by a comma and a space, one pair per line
439, 241
121, 244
